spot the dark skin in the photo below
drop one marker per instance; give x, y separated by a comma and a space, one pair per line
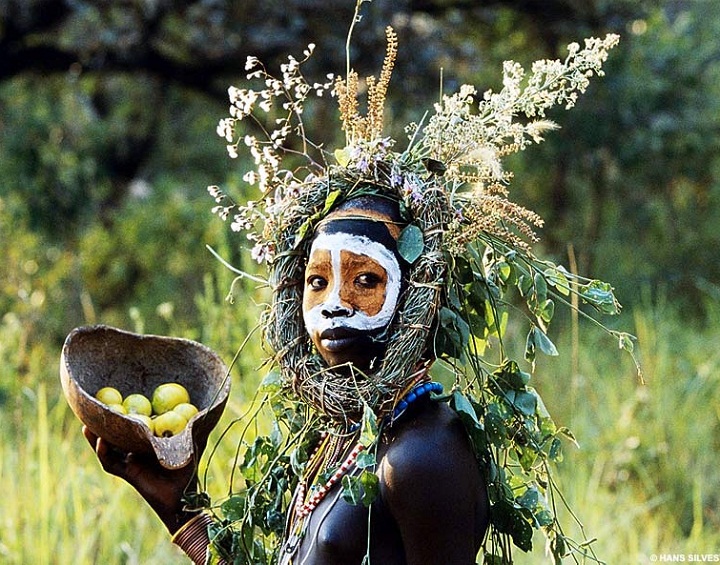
432, 508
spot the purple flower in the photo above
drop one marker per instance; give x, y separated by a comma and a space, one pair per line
412, 189
396, 178
364, 165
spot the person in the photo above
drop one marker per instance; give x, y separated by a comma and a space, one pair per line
432, 505
382, 262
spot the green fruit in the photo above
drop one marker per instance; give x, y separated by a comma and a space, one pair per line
109, 395
137, 404
169, 424
147, 420
119, 408
186, 410
167, 396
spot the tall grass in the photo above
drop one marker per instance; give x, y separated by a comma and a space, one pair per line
644, 480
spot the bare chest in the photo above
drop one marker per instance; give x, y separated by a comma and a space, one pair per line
338, 533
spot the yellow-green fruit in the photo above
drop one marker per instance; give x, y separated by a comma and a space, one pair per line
119, 408
186, 410
167, 396
147, 420
169, 424
137, 404
109, 395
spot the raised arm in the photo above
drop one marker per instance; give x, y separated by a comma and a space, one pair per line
163, 489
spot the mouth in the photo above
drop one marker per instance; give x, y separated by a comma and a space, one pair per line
337, 339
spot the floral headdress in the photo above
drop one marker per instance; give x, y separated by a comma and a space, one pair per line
467, 245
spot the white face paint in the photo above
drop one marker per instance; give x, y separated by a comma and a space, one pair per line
351, 283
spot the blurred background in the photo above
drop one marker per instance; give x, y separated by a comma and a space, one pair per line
108, 112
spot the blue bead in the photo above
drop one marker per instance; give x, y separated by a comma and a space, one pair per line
412, 397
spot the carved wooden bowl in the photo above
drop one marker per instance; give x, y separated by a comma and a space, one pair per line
98, 356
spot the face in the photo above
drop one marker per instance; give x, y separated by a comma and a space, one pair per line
352, 285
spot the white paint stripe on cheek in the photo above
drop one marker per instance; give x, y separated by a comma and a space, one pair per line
361, 245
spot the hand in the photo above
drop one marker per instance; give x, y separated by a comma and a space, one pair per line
163, 489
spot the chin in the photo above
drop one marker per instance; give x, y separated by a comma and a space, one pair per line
364, 354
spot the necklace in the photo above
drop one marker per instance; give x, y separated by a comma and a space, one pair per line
325, 454
304, 507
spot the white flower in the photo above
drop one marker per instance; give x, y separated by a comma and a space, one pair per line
251, 62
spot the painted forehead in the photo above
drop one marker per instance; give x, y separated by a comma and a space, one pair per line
358, 245
361, 229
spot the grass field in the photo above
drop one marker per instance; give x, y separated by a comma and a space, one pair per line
644, 481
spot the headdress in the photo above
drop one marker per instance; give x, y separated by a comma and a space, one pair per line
468, 246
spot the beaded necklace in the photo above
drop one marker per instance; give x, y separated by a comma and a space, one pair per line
302, 507
326, 453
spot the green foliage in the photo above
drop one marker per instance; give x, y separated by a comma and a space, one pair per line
630, 181
513, 434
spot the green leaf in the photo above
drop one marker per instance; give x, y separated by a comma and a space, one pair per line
493, 559
456, 328
527, 457
234, 507
352, 490
463, 407
542, 341
600, 295
365, 459
555, 452
530, 346
524, 284
369, 429
504, 271
569, 435
410, 243
529, 499
556, 276
478, 296
510, 377
545, 310
371, 487
525, 402
463, 271
495, 426
272, 382
454, 297
342, 156
625, 342
509, 520
540, 287
558, 548
544, 518
362, 489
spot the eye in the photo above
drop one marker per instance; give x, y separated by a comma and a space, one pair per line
316, 282
367, 280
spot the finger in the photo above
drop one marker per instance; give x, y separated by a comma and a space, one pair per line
91, 437
112, 459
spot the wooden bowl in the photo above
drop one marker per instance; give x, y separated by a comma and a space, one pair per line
98, 356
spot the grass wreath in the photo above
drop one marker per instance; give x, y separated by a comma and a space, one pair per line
335, 394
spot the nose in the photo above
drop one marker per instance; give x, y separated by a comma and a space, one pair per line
336, 311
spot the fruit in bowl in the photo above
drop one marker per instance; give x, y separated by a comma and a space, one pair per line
166, 415
96, 359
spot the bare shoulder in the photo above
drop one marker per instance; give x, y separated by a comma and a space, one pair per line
429, 451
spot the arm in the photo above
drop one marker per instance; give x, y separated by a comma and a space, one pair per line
432, 486
163, 489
